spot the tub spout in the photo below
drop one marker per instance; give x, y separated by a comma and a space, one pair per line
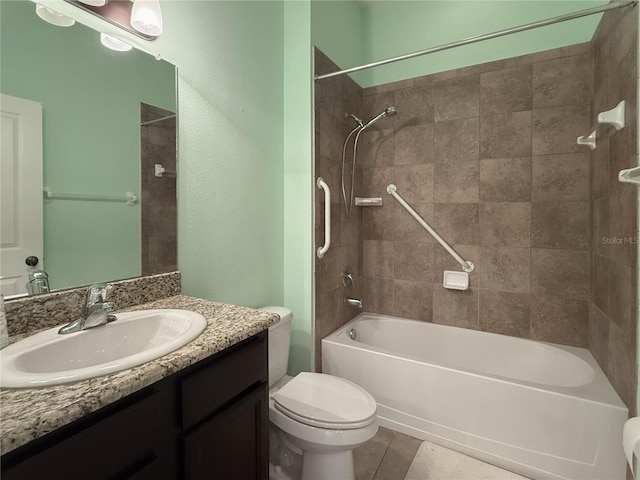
353, 302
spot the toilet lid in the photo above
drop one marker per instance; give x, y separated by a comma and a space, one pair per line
325, 401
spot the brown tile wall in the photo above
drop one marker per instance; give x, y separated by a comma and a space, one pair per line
159, 205
487, 155
333, 99
612, 308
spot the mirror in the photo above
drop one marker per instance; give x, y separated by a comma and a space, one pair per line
107, 118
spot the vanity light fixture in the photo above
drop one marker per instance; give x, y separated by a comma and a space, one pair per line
114, 43
53, 17
94, 3
146, 17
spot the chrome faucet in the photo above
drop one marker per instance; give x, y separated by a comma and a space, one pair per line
353, 302
96, 310
347, 281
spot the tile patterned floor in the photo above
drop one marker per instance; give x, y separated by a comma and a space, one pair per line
387, 456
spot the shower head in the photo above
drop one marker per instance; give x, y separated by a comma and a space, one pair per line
388, 112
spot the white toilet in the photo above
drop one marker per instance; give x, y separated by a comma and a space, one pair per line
316, 420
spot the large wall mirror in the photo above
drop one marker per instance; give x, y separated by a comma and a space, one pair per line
107, 119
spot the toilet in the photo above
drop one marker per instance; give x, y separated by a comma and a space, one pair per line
315, 420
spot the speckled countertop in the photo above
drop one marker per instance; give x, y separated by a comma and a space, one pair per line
26, 414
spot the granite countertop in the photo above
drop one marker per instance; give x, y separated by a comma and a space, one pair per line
27, 414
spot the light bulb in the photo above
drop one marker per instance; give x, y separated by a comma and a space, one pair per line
94, 3
53, 17
114, 43
146, 17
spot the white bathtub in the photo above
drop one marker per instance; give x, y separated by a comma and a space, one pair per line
538, 409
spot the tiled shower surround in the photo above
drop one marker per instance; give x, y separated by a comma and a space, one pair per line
488, 156
612, 308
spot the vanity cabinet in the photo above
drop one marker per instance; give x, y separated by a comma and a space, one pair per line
209, 420
120, 441
229, 446
225, 440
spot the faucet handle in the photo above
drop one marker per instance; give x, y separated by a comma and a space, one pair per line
97, 293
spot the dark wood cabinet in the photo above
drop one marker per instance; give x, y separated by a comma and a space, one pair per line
209, 420
211, 450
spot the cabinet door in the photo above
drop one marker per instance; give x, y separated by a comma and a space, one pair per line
233, 444
210, 388
124, 444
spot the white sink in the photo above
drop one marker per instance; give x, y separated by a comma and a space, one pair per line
48, 358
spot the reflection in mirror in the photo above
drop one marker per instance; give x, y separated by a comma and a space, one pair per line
91, 100
159, 212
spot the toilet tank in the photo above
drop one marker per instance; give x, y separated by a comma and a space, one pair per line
279, 339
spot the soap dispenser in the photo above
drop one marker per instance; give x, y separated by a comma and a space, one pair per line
38, 279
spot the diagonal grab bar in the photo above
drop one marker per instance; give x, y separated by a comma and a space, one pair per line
466, 265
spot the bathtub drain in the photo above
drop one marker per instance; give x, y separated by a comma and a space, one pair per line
352, 334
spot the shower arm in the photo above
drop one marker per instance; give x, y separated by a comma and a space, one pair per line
466, 265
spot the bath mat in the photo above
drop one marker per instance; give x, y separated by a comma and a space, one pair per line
433, 462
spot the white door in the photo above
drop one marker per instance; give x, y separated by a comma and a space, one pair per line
20, 190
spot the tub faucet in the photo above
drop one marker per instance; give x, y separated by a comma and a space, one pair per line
353, 302
96, 310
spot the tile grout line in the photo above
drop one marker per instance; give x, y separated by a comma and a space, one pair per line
375, 474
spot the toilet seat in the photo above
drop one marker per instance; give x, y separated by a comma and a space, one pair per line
325, 401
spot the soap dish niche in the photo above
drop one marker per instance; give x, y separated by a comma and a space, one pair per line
614, 117
455, 280
368, 202
588, 140
630, 175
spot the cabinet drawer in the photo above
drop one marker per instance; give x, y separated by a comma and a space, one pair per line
233, 372
120, 443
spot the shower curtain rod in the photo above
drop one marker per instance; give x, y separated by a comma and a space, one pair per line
155, 120
487, 36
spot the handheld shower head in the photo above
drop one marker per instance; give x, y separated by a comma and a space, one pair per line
388, 112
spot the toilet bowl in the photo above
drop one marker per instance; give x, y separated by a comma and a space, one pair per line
316, 420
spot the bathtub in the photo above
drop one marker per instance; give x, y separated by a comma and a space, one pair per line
539, 409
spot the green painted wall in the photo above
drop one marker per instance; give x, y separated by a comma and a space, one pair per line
298, 181
391, 28
337, 26
91, 137
229, 56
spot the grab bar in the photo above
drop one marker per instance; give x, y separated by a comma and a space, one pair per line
466, 266
327, 217
130, 198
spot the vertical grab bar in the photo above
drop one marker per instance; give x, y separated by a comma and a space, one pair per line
466, 266
327, 217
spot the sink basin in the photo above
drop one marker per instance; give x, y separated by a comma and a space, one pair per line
48, 358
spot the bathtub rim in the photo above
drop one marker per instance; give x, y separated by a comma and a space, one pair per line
599, 390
